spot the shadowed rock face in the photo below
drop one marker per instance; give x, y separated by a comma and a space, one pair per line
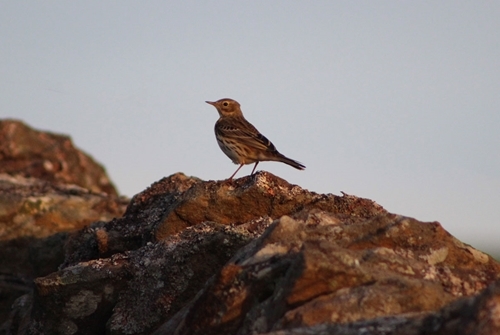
36, 218
48, 189
253, 256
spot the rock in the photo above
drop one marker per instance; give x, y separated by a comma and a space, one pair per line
135, 291
31, 153
134, 229
79, 299
36, 218
48, 190
466, 316
19, 320
314, 268
174, 203
258, 255
33, 208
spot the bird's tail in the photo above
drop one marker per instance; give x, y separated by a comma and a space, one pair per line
291, 162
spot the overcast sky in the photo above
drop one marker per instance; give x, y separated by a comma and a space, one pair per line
396, 101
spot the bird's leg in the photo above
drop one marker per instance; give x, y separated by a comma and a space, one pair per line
235, 172
254, 167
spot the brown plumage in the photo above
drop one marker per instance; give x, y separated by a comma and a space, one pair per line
241, 141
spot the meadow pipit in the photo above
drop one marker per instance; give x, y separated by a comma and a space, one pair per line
241, 141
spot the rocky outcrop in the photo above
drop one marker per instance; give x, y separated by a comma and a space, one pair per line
36, 218
46, 156
175, 263
256, 255
163, 271
313, 268
48, 190
177, 202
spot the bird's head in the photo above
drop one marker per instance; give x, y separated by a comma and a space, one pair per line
226, 107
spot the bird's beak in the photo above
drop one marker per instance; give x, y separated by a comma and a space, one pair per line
210, 103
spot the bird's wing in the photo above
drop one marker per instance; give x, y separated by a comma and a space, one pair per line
246, 133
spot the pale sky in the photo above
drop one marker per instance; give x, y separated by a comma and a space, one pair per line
396, 101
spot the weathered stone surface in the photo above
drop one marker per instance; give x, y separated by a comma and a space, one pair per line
132, 293
316, 268
52, 157
135, 228
135, 232
474, 315
79, 299
256, 256
36, 218
48, 189
169, 273
177, 202
33, 208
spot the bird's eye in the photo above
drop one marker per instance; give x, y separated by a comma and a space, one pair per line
225, 104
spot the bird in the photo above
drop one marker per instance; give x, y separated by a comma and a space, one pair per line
241, 141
